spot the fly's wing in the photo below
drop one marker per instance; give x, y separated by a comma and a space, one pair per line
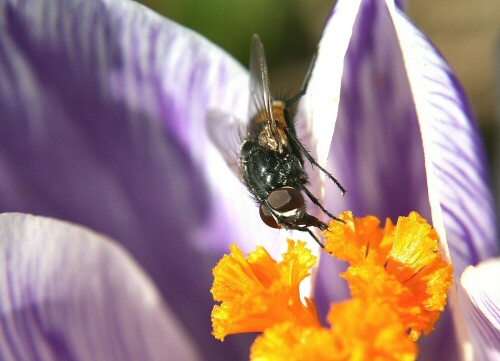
227, 132
260, 94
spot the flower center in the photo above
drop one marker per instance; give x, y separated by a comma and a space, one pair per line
397, 279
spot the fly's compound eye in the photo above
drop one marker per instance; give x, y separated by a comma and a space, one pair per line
267, 217
287, 205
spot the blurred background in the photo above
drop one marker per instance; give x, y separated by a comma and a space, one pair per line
466, 32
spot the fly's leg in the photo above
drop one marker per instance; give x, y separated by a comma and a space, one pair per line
312, 235
316, 202
291, 133
309, 221
303, 90
291, 136
305, 229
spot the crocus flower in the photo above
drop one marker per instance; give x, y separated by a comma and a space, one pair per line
102, 123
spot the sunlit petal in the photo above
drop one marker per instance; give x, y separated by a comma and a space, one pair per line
321, 103
479, 306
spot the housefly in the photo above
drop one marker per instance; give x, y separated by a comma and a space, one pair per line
267, 154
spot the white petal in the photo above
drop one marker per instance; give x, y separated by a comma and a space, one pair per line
321, 102
479, 307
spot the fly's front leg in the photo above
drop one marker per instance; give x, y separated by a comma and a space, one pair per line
316, 202
311, 222
293, 138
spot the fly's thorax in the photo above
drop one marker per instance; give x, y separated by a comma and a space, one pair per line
271, 132
264, 170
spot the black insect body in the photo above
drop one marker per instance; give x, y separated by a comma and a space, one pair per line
269, 158
273, 175
273, 170
264, 170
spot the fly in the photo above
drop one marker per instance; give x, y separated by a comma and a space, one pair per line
268, 155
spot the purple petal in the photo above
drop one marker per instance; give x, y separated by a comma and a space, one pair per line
68, 293
457, 175
102, 123
479, 302
399, 98
397, 94
376, 150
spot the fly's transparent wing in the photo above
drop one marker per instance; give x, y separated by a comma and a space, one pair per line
227, 132
260, 94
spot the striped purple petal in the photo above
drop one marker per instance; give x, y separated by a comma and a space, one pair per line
376, 149
479, 306
102, 123
405, 140
67, 293
457, 175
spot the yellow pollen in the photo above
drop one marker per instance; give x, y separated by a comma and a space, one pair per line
359, 331
257, 292
402, 267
